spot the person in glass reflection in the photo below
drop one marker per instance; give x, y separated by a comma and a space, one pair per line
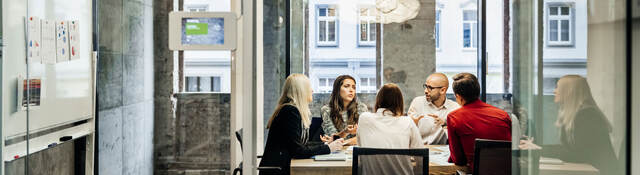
584, 130
289, 128
475, 119
340, 116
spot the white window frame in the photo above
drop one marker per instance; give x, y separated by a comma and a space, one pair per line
198, 78
437, 28
197, 8
327, 87
559, 17
371, 84
327, 19
370, 19
472, 23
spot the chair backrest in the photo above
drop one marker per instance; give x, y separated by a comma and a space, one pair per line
492, 157
315, 129
360, 162
239, 137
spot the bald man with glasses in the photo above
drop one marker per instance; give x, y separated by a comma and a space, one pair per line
430, 112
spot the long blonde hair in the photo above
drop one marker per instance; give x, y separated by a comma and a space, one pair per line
296, 92
574, 95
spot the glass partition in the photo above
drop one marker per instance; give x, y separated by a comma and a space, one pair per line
557, 66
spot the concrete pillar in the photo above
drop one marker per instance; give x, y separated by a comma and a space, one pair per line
409, 52
164, 88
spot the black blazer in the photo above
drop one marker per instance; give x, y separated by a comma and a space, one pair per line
591, 144
288, 139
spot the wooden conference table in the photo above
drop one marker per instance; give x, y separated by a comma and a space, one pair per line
313, 167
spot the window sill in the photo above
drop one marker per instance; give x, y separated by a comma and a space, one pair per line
469, 49
326, 45
367, 45
560, 45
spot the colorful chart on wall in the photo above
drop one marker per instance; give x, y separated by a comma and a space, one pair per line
48, 51
74, 40
34, 41
62, 41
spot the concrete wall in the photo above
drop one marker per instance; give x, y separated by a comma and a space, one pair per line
408, 51
125, 87
274, 55
41, 162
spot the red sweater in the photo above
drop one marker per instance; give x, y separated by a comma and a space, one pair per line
475, 120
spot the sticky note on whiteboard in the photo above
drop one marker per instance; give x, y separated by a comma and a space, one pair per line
48, 51
62, 41
34, 42
74, 40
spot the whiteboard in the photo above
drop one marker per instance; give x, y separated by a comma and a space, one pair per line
67, 87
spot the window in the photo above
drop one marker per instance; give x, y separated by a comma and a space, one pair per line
197, 8
325, 85
559, 30
367, 85
327, 26
437, 29
367, 27
469, 29
203, 84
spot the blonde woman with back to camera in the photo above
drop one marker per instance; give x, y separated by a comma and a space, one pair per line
289, 128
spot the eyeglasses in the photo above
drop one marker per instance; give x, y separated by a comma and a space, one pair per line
430, 87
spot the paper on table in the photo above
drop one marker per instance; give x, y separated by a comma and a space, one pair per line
333, 156
34, 45
548, 160
62, 41
440, 158
48, 51
74, 40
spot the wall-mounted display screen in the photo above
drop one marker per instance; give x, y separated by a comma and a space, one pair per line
202, 31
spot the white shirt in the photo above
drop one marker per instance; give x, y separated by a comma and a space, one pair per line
430, 132
383, 130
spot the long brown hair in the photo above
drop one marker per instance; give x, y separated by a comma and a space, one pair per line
390, 98
337, 105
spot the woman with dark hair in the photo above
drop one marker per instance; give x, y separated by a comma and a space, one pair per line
388, 128
340, 116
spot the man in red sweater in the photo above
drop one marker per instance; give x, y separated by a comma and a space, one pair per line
475, 119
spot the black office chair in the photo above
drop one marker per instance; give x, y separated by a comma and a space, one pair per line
239, 168
360, 151
492, 157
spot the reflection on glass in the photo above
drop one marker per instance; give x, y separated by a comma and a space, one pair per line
584, 129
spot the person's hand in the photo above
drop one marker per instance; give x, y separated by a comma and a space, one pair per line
352, 129
417, 119
326, 138
336, 145
437, 120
